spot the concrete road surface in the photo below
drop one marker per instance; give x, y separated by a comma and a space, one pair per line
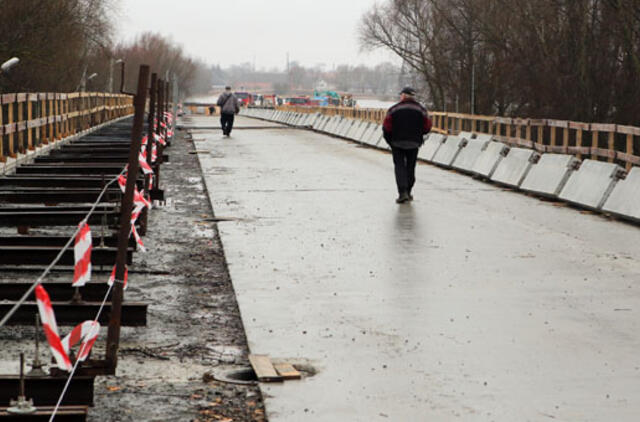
472, 303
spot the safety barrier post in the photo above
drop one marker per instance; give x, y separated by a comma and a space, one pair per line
113, 335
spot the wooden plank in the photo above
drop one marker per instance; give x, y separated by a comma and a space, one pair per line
603, 127
264, 369
579, 125
629, 130
557, 123
287, 371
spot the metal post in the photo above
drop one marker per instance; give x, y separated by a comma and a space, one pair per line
113, 336
122, 77
174, 110
150, 132
161, 109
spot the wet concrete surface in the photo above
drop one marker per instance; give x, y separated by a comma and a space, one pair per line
471, 303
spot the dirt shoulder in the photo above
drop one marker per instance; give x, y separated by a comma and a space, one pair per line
194, 328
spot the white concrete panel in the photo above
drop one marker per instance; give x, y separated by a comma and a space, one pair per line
591, 184
469, 154
514, 167
448, 151
624, 200
431, 146
550, 174
487, 162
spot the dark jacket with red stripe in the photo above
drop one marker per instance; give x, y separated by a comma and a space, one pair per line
405, 124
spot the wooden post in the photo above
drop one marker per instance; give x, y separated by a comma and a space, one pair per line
12, 151
594, 144
629, 149
2, 157
565, 137
20, 119
579, 141
29, 117
611, 145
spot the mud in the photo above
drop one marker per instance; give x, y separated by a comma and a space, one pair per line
194, 327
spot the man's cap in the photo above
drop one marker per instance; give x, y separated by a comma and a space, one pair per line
228, 88
408, 90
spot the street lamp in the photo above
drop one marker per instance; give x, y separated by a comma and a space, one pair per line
9, 64
110, 82
93, 75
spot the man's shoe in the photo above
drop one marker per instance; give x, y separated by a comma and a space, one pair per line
404, 197
410, 197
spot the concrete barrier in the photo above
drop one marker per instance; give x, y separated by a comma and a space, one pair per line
448, 151
322, 123
368, 135
356, 124
469, 154
484, 137
515, 166
591, 185
624, 200
489, 159
432, 144
346, 127
333, 126
550, 174
466, 135
357, 134
379, 138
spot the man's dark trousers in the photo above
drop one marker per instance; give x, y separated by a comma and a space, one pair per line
226, 121
404, 161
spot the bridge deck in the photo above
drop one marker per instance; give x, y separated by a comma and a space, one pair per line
472, 301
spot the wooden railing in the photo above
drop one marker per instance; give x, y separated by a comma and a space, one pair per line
28, 121
599, 141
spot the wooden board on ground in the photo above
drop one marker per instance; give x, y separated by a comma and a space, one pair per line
263, 368
287, 371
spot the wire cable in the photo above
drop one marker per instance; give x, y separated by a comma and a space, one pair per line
82, 346
57, 258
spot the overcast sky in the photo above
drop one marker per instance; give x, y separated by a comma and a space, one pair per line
230, 32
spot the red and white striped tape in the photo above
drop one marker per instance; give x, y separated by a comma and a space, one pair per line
159, 138
154, 153
138, 239
87, 333
112, 277
142, 159
82, 254
122, 182
50, 328
140, 199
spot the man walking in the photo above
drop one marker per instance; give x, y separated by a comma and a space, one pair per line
404, 126
228, 104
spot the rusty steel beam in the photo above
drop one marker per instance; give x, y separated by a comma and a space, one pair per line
19, 217
43, 255
79, 168
68, 195
43, 181
60, 291
45, 390
116, 317
43, 413
134, 314
59, 241
81, 158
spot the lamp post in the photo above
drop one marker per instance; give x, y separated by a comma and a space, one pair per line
4, 67
83, 81
110, 82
